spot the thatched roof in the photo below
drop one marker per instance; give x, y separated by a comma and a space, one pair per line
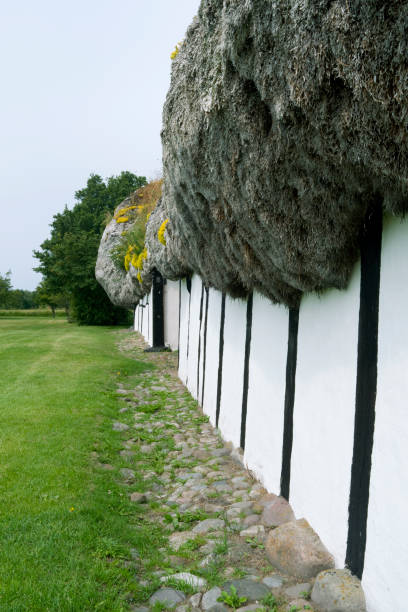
284, 121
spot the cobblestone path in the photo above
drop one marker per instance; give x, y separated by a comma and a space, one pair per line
204, 511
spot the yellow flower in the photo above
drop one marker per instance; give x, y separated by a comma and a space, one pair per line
160, 233
139, 278
175, 53
122, 219
134, 260
72, 509
137, 261
123, 211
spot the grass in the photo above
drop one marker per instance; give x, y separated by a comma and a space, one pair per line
64, 522
35, 312
70, 539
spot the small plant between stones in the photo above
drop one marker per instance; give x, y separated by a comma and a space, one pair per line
254, 543
231, 599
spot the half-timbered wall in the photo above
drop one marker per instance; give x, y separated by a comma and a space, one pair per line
323, 420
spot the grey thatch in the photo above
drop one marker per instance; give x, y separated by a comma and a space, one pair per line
284, 122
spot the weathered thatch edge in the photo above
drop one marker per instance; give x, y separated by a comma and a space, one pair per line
284, 124
123, 288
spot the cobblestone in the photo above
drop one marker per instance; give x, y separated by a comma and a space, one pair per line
196, 488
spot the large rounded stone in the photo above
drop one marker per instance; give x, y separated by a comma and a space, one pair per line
295, 548
276, 512
338, 591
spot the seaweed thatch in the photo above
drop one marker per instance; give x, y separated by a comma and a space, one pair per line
283, 123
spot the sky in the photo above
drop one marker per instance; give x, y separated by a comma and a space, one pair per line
82, 88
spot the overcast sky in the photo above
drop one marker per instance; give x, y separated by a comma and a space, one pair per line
83, 84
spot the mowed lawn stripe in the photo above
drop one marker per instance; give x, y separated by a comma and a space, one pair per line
57, 401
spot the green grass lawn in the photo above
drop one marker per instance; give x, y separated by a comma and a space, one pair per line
64, 522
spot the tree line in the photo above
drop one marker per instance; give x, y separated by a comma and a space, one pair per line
16, 299
67, 258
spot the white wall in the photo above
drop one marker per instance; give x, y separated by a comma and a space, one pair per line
138, 312
149, 322
201, 349
171, 313
191, 381
266, 391
233, 369
324, 413
184, 324
136, 319
143, 318
386, 562
146, 317
213, 338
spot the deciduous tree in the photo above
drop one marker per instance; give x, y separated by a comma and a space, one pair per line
67, 259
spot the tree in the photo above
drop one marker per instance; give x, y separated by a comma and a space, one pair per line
18, 299
67, 259
45, 296
21, 299
5, 289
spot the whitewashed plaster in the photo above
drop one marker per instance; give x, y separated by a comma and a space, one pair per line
191, 381
323, 420
171, 313
143, 319
213, 339
136, 325
324, 407
266, 392
386, 561
184, 308
149, 311
201, 351
233, 369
